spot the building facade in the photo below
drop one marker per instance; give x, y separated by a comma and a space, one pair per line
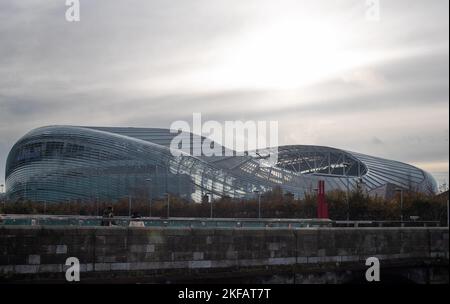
69, 163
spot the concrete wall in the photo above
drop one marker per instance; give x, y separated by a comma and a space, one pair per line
161, 255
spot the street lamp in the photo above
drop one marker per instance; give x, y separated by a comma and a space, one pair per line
149, 180
210, 203
3, 198
129, 205
401, 202
345, 165
259, 202
168, 204
96, 205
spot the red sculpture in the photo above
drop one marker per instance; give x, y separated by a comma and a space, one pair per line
322, 207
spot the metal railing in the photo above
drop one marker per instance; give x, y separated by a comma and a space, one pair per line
386, 224
65, 220
71, 220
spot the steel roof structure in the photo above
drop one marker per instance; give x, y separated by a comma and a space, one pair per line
70, 163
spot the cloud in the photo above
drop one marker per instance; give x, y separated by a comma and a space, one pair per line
377, 141
148, 63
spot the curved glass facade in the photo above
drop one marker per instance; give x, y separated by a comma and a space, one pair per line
66, 163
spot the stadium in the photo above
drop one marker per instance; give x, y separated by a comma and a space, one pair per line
70, 163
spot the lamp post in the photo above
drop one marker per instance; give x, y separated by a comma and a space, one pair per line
96, 205
129, 205
3, 198
259, 202
210, 203
447, 216
401, 202
345, 165
168, 204
149, 180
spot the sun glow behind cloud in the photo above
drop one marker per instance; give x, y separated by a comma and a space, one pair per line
328, 75
283, 55
285, 52
287, 49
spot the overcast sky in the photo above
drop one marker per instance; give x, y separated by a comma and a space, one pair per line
329, 75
